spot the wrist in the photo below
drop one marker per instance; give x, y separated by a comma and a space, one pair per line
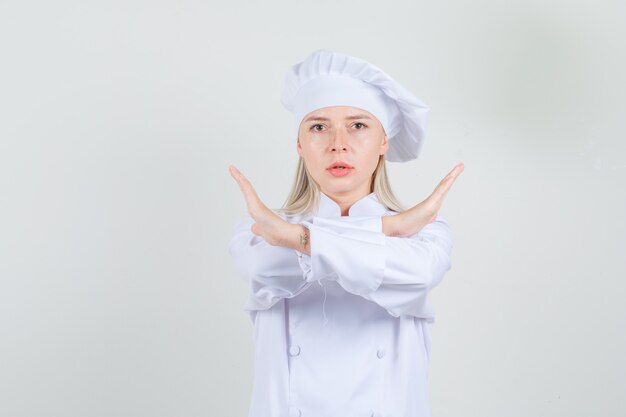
389, 225
300, 239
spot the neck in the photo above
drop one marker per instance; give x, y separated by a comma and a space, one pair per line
346, 200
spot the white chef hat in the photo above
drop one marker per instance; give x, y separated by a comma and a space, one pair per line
327, 78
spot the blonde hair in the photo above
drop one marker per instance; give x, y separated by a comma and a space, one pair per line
304, 195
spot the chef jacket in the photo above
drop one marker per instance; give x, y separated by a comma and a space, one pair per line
346, 331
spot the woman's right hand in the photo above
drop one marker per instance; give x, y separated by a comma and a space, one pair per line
414, 219
269, 225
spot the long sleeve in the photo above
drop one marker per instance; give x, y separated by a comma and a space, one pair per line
272, 272
395, 272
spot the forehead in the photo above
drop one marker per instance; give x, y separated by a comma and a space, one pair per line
338, 112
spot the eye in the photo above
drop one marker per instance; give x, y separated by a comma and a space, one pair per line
359, 123
313, 127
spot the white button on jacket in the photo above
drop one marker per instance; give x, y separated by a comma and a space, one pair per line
346, 331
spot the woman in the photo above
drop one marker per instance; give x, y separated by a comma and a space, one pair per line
356, 343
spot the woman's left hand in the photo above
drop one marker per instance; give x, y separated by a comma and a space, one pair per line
269, 225
414, 219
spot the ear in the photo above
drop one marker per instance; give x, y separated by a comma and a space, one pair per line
384, 145
298, 147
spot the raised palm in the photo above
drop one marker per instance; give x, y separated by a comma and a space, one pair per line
268, 224
274, 229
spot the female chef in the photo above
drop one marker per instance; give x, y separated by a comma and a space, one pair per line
339, 276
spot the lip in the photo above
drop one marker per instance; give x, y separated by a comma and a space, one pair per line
340, 172
339, 163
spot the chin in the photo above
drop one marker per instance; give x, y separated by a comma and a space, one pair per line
338, 188
339, 185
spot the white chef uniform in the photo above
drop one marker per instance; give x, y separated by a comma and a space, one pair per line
356, 343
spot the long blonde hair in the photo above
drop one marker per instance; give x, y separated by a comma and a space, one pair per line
305, 191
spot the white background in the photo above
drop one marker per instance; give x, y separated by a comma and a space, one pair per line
118, 121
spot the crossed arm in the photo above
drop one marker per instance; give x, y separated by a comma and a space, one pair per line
391, 260
395, 272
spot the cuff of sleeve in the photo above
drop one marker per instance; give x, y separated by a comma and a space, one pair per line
305, 264
352, 248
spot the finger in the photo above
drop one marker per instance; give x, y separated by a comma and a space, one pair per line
446, 183
242, 181
454, 172
237, 175
442, 189
250, 195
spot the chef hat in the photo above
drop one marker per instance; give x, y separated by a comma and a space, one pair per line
327, 78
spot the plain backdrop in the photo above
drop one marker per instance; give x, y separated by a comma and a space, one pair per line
118, 121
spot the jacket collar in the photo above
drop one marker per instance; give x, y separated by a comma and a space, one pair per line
366, 206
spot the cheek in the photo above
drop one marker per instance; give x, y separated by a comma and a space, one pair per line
370, 149
313, 158
313, 150
370, 159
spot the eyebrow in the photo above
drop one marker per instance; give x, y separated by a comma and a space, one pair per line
318, 118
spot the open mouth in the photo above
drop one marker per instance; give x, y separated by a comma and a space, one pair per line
340, 165
339, 169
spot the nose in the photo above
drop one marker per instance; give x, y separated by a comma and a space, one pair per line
338, 141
